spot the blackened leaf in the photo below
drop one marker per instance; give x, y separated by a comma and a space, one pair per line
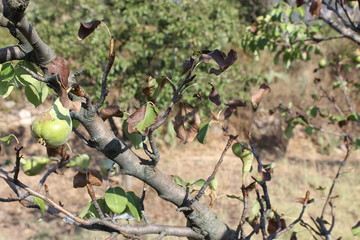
214, 95
143, 118
79, 180
188, 65
223, 61
257, 96
94, 178
229, 111
233, 104
236, 103
293, 236
315, 7
187, 123
86, 28
111, 111
299, 3
60, 67
273, 225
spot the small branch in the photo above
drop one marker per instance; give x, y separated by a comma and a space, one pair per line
263, 220
327, 132
332, 100
92, 195
239, 231
288, 228
89, 143
212, 176
161, 236
35, 75
17, 162
154, 155
342, 164
104, 91
47, 174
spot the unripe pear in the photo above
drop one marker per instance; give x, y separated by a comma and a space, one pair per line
33, 166
52, 128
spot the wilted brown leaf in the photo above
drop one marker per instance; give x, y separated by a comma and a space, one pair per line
135, 118
214, 95
255, 224
257, 96
293, 236
79, 180
60, 67
188, 65
94, 178
299, 3
66, 102
187, 123
273, 225
233, 104
223, 61
315, 7
86, 28
111, 111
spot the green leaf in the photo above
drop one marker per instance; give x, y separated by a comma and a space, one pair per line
135, 138
5, 89
313, 111
7, 139
134, 205
75, 123
213, 184
7, 72
41, 204
143, 118
80, 160
35, 91
199, 182
235, 197
90, 210
204, 127
357, 144
255, 207
288, 132
181, 182
116, 199
354, 117
356, 230
309, 130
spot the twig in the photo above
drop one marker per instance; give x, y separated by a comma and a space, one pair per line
309, 228
35, 75
212, 176
114, 128
335, 179
326, 131
89, 143
112, 236
263, 220
104, 91
161, 236
288, 228
17, 162
47, 174
154, 155
92, 195
239, 231
332, 100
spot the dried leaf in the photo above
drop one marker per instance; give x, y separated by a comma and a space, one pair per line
150, 88
79, 180
111, 111
94, 178
143, 118
299, 3
223, 61
214, 95
187, 123
257, 96
66, 102
293, 236
233, 104
60, 67
273, 225
188, 65
315, 7
86, 28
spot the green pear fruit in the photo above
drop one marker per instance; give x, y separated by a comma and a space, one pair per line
52, 128
323, 63
33, 166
